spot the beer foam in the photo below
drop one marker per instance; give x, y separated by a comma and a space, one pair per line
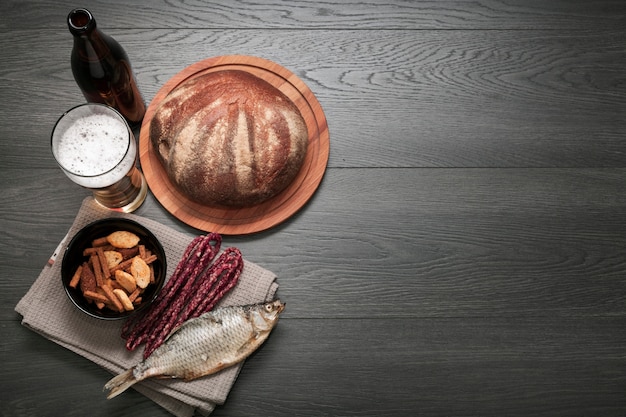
95, 150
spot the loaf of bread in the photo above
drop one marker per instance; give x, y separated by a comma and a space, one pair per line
229, 138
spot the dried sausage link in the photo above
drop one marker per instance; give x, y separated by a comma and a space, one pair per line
227, 277
142, 325
215, 281
130, 328
196, 259
197, 256
195, 272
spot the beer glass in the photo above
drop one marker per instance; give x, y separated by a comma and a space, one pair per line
95, 148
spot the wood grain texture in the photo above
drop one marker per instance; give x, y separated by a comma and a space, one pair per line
391, 98
408, 242
465, 251
303, 14
430, 367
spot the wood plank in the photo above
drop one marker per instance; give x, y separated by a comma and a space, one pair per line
66, 384
404, 242
431, 367
391, 98
300, 14
443, 367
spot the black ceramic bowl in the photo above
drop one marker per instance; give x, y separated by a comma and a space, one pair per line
73, 258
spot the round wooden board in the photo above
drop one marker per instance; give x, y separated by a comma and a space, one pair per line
239, 221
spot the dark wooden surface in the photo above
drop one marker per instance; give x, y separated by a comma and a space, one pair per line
465, 254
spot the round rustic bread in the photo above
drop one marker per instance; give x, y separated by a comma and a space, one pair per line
229, 138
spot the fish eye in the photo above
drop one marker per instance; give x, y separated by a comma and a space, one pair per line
269, 307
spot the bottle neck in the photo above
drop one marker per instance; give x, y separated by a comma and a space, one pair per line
89, 43
81, 22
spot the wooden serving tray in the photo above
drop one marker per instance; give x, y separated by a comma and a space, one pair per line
239, 221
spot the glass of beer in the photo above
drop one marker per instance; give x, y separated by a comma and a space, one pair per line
95, 148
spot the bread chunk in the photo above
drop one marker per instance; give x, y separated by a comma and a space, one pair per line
229, 138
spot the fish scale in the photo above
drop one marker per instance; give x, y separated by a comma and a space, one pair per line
205, 345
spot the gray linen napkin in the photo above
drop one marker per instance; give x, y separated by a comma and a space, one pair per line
47, 310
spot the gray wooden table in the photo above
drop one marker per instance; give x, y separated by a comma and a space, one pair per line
465, 254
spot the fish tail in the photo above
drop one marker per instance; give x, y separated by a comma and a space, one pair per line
120, 383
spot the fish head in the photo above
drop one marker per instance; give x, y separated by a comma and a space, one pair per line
272, 310
266, 315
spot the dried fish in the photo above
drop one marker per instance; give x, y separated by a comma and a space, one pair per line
205, 345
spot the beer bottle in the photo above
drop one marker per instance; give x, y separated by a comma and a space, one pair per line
101, 68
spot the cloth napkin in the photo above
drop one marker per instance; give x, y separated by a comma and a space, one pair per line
48, 311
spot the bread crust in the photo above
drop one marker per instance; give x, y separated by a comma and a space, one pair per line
229, 138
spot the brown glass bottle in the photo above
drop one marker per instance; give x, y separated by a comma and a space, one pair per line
101, 68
